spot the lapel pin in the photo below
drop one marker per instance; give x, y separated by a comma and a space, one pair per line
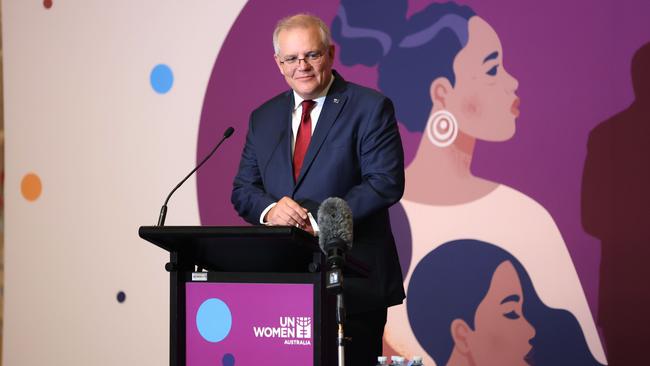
336, 100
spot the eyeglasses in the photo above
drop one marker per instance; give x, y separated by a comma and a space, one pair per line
313, 58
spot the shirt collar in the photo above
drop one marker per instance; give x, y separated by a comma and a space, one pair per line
320, 99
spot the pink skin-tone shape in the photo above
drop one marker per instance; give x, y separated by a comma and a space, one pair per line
501, 334
485, 105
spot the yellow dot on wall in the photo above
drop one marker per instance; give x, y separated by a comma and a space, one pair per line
31, 187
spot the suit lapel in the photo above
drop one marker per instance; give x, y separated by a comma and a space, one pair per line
279, 134
332, 107
287, 136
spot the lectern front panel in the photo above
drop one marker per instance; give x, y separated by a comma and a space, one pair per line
232, 324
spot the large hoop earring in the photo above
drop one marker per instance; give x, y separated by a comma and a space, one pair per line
442, 128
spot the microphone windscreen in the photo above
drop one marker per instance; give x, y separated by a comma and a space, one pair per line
228, 132
334, 222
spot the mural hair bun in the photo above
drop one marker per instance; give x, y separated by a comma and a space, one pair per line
367, 40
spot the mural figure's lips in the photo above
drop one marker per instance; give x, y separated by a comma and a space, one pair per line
529, 359
515, 107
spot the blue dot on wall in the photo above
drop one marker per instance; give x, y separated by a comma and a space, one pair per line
213, 320
228, 360
161, 78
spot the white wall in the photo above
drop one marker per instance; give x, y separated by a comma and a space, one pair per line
81, 114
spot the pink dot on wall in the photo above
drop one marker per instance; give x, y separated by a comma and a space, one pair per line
47, 4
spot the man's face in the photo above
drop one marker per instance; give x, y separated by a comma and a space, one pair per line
310, 76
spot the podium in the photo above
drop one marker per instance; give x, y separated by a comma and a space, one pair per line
259, 300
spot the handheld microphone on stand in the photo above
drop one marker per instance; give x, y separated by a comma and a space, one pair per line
335, 239
163, 210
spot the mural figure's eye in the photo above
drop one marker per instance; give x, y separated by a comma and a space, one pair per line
493, 71
512, 315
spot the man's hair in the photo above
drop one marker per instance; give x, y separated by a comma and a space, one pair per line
301, 20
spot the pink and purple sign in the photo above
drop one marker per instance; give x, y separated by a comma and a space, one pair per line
230, 324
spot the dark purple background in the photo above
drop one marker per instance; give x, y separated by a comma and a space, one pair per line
572, 60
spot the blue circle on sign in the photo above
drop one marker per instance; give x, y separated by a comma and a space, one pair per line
161, 78
214, 320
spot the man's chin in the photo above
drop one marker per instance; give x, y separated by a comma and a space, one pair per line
307, 92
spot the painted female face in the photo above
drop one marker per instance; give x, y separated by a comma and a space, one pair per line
483, 97
501, 334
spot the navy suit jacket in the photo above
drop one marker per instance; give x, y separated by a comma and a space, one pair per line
355, 153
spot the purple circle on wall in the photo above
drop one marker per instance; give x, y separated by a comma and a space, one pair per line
566, 85
244, 76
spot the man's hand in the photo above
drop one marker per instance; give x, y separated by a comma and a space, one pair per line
287, 212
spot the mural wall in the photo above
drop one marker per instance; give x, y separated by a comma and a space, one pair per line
495, 108
524, 127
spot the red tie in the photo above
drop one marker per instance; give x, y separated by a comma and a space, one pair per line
302, 137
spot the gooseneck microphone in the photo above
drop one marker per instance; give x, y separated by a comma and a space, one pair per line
163, 210
335, 225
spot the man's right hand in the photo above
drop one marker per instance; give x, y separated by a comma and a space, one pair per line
287, 212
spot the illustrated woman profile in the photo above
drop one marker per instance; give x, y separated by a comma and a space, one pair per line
444, 68
490, 314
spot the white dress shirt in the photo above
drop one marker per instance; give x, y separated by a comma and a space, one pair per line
295, 123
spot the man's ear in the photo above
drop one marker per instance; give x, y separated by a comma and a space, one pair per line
440, 90
460, 332
277, 62
332, 52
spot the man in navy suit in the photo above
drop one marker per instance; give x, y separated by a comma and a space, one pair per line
328, 138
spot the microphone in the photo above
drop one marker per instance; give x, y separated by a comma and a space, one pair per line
335, 239
335, 225
163, 210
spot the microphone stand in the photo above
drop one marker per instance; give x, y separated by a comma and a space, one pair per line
334, 282
340, 320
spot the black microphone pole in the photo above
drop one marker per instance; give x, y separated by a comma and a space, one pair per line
335, 239
163, 210
334, 282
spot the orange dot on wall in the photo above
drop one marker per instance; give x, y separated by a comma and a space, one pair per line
31, 187
47, 4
